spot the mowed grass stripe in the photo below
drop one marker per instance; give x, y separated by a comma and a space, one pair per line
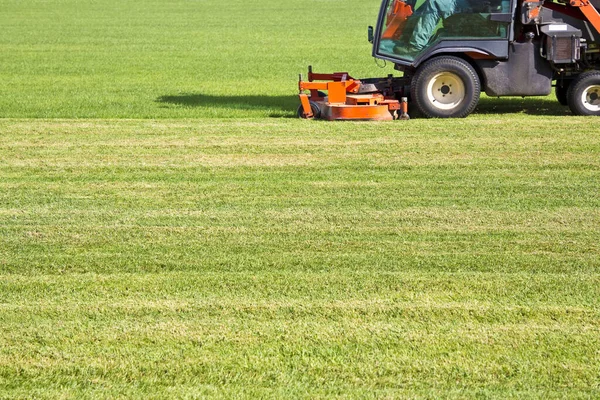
115, 196
404, 288
323, 333
285, 258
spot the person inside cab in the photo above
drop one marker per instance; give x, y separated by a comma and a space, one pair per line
422, 24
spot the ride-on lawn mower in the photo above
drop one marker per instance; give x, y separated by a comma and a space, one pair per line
500, 47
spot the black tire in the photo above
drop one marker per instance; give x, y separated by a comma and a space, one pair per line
561, 89
316, 110
584, 94
445, 87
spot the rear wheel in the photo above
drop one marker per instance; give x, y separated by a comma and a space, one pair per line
445, 87
561, 90
584, 94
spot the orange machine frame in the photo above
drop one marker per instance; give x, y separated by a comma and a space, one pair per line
343, 100
589, 11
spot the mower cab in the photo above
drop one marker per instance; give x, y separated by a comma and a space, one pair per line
451, 50
410, 32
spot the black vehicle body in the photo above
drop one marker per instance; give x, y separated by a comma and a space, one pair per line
511, 48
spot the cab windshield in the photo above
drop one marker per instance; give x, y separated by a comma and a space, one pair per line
412, 26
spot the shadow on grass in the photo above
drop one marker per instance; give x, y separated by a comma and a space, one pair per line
280, 106
285, 106
514, 105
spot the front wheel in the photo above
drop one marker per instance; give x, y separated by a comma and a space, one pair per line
314, 107
584, 94
445, 87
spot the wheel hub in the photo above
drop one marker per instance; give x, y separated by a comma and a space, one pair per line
591, 98
446, 91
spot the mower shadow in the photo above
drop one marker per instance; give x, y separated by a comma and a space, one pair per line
281, 106
515, 105
285, 106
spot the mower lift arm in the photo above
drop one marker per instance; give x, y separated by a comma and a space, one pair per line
588, 10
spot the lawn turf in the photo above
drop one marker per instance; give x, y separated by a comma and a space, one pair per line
166, 231
288, 258
173, 59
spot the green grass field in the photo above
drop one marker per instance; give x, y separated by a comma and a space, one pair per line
169, 230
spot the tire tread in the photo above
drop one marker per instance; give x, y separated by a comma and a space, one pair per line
574, 93
436, 65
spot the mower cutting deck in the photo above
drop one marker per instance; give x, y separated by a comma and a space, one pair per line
347, 98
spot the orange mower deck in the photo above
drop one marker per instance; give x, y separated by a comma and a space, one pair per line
346, 99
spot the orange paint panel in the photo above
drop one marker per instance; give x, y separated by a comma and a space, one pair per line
365, 99
534, 13
306, 106
312, 86
591, 14
336, 92
346, 112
